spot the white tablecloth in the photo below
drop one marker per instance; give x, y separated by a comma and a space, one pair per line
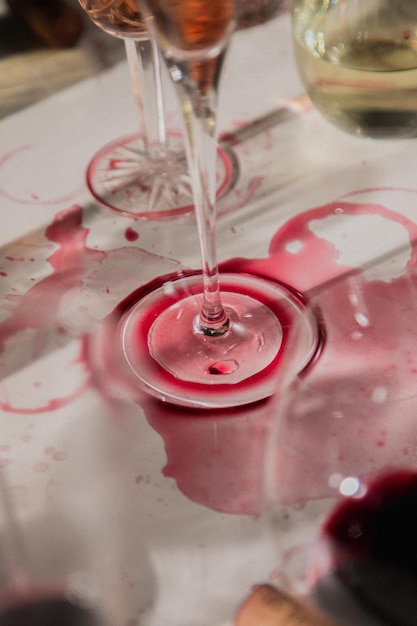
158, 514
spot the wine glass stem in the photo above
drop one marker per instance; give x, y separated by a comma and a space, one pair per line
144, 63
199, 113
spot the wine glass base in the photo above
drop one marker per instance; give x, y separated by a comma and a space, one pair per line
168, 360
121, 177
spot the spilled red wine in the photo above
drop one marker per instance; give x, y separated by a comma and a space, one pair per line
373, 552
49, 612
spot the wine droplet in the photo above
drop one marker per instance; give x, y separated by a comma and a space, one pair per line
223, 367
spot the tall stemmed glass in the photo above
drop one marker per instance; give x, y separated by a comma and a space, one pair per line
145, 174
212, 339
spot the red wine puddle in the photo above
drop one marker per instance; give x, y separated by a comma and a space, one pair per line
286, 305
368, 373
81, 286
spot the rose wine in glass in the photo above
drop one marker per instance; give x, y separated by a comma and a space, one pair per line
145, 174
210, 339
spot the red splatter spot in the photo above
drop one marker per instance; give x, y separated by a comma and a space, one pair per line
131, 235
41, 467
60, 456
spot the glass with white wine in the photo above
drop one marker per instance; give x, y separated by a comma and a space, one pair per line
358, 62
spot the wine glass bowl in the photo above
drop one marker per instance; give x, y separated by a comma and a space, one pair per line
192, 30
120, 18
358, 62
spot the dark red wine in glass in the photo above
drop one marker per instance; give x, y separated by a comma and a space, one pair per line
48, 612
371, 541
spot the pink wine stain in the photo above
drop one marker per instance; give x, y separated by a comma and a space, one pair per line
35, 320
9, 164
52, 313
360, 393
70, 262
216, 458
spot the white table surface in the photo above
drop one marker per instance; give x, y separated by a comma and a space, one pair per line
163, 509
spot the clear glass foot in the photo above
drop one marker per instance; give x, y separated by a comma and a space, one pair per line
123, 178
179, 366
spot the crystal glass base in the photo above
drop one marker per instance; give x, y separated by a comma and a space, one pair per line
121, 177
170, 360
